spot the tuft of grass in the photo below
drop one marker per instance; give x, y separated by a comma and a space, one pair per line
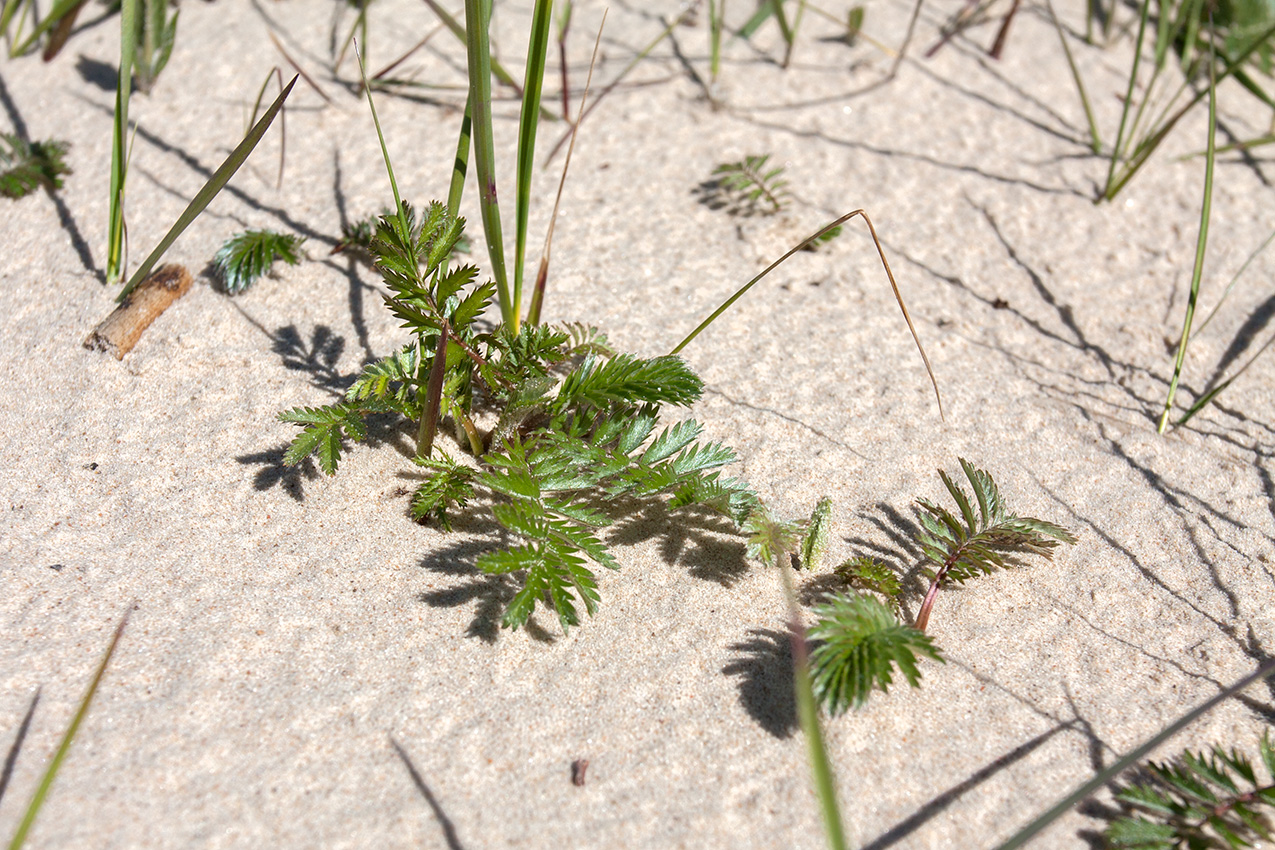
245, 257
26, 166
1201, 242
119, 151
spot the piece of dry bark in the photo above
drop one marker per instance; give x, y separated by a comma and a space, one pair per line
578, 767
119, 332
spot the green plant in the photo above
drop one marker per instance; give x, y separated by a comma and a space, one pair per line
574, 427
749, 186
978, 543
863, 641
1197, 800
25, 166
246, 256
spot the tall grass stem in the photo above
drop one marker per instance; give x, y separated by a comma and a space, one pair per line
1201, 244
119, 151
528, 124
478, 50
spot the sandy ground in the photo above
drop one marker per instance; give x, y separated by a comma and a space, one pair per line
306, 667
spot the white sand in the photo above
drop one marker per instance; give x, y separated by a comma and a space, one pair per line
290, 630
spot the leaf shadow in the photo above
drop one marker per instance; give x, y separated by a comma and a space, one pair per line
764, 666
490, 593
275, 473
704, 542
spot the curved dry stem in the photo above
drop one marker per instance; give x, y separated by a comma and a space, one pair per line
898, 296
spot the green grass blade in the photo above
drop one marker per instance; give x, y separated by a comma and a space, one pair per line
50, 773
1095, 139
478, 49
214, 185
496, 68
764, 11
460, 167
1032, 829
791, 35
119, 152
385, 151
716, 11
1201, 243
7, 12
1109, 191
528, 123
808, 716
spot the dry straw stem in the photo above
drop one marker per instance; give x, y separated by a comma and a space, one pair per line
120, 331
809, 240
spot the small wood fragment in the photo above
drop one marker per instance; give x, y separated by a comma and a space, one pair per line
578, 767
120, 331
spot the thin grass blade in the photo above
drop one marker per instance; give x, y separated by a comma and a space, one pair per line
214, 185
380, 136
542, 274
808, 716
814, 237
60, 10
460, 166
478, 48
528, 123
46, 781
1200, 244
119, 152
1095, 138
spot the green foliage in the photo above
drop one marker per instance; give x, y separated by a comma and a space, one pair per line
25, 166
575, 428
864, 642
770, 539
246, 256
861, 646
976, 543
748, 186
1198, 800
869, 574
814, 543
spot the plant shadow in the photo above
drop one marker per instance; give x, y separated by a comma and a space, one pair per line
764, 666
694, 539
